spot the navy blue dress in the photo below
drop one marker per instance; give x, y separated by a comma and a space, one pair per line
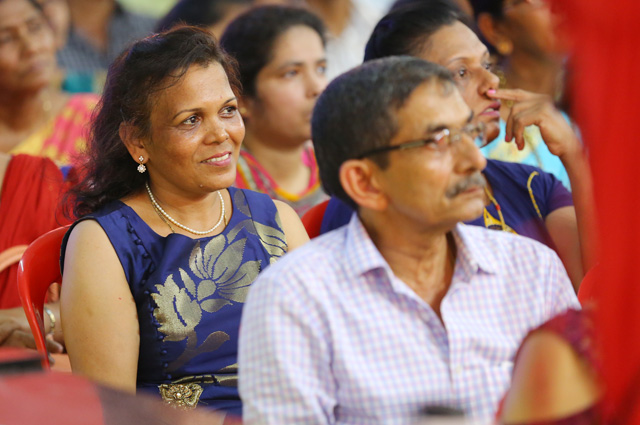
189, 294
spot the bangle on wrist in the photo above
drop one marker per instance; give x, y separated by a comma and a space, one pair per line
52, 320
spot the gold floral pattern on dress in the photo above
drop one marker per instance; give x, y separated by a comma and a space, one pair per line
273, 240
185, 396
216, 277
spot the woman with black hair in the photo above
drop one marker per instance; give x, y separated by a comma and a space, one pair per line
281, 57
157, 269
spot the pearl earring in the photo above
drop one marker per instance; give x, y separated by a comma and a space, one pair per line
141, 167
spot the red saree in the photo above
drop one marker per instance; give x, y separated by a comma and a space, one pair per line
29, 207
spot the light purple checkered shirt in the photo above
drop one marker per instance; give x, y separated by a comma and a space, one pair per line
329, 335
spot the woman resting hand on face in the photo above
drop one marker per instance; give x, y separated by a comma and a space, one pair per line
157, 268
281, 57
520, 199
530, 60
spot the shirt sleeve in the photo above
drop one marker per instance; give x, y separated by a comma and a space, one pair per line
549, 192
284, 354
559, 294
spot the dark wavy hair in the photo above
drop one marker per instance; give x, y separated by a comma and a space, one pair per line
148, 67
407, 27
200, 13
250, 37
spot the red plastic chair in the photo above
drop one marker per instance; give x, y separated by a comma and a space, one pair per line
312, 219
38, 269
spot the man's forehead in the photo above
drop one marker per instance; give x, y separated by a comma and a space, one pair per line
433, 103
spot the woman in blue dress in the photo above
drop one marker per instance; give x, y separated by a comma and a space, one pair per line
157, 269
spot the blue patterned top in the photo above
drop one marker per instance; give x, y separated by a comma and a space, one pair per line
189, 294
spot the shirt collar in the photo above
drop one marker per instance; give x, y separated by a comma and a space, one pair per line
360, 252
473, 252
362, 255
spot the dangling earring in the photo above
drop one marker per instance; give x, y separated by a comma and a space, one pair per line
141, 167
505, 47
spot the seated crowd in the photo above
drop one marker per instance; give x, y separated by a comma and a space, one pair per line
447, 269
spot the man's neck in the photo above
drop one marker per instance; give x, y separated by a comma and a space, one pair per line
334, 13
283, 163
424, 260
91, 19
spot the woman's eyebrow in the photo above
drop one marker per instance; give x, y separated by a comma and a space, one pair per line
182, 111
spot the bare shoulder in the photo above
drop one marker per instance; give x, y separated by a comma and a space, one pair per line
548, 365
89, 250
291, 225
87, 233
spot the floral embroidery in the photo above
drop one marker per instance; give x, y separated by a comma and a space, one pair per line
216, 277
181, 395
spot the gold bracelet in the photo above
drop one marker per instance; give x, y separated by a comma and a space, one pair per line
52, 320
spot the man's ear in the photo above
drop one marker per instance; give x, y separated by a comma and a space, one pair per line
129, 136
359, 179
494, 34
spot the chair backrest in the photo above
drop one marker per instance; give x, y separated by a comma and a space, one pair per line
312, 219
38, 269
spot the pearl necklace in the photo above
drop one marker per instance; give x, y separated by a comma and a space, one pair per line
182, 226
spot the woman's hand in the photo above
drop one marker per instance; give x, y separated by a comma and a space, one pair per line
537, 109
15, 332
529, 109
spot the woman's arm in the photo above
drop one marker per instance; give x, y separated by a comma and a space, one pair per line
563, 229
292, 226
99, 314
550, 382
535, 109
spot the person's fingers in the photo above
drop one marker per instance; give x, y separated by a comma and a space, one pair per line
54, 346
22, 339
515, 95
521, 120
7, 326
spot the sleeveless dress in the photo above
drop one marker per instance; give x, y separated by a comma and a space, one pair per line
189, 295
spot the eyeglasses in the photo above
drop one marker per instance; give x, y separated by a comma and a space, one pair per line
440, 142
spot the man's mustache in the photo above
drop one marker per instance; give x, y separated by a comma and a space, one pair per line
474, 180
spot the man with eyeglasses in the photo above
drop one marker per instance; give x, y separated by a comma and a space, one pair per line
405, 308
